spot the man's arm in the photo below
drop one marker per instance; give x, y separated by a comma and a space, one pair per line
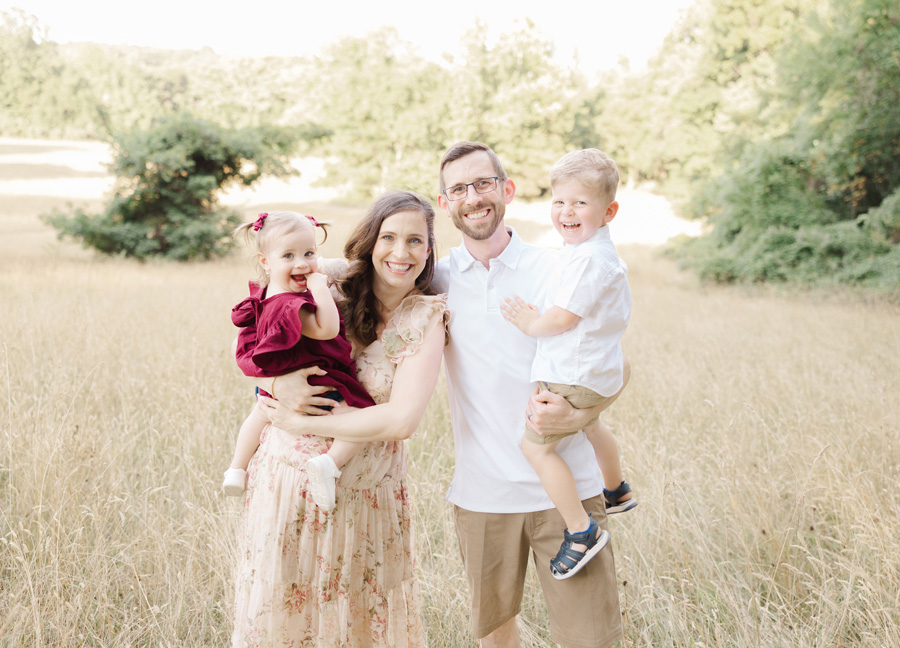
550, 413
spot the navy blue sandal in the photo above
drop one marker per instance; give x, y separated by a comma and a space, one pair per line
568, 561
614, 501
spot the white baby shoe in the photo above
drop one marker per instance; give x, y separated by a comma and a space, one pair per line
234, 482
322, 473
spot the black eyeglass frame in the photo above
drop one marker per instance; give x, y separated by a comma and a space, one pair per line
495, 179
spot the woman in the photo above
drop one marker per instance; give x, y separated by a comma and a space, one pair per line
310, 578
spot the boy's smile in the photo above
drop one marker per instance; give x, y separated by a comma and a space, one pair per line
578, 211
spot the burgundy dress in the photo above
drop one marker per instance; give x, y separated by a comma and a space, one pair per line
271, 344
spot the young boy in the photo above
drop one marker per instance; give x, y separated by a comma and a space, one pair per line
579, 354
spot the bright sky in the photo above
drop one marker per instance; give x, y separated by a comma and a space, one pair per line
599, 30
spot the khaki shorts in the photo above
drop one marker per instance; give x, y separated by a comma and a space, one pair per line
495, 547
579, 397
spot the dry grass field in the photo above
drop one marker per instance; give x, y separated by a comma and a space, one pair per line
761, 432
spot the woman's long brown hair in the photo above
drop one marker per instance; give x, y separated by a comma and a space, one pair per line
359, 303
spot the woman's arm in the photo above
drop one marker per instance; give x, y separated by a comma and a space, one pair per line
397, 419
294, 388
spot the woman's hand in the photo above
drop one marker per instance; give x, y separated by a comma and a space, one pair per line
294, 390
282, 416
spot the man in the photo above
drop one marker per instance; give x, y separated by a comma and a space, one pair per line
502, 512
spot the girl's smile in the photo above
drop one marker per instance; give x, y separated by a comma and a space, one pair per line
290, 260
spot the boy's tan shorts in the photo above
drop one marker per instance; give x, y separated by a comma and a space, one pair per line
579, 397
495, 547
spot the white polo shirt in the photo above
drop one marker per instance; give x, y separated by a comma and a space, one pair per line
488, 364
591, 281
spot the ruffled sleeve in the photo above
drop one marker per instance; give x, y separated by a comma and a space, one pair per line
248, 311
406, 331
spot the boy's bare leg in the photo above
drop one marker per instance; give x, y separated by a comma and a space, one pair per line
558, 481
607, 452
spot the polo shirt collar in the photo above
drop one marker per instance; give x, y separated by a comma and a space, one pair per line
509, 257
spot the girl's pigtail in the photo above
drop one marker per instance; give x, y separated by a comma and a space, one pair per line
321, 226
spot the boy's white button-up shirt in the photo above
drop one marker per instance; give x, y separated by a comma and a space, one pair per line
488, 365
591, 281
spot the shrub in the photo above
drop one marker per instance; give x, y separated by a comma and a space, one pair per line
168, 180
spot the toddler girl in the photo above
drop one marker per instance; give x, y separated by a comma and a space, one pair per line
288, 322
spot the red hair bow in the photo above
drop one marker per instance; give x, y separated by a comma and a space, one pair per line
257, 225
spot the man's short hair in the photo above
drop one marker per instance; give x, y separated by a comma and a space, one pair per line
591, 167
462, 149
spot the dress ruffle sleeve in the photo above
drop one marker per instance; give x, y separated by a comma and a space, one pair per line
248, 311
406, 331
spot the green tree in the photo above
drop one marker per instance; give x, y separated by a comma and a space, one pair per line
514, 97
793, 203
841, 81
383, 109
166, 198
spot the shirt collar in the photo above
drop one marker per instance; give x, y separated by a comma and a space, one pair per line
509, 257
602, 234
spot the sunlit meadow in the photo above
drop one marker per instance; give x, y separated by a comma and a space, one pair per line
760, 432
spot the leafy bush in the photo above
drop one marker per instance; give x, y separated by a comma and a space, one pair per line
846, 252
166, 196
772, 224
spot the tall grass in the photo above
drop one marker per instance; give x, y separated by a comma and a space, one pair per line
760, 432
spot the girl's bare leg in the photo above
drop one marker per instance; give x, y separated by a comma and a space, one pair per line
235, 477
323, 471
248, 438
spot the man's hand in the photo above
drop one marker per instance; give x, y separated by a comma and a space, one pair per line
520, 313
550, 413
296, 393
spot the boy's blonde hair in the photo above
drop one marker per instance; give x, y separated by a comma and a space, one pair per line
261, 234
591, 167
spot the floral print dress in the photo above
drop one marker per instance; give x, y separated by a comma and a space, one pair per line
344, 579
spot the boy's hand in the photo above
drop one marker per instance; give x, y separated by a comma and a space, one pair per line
520, 313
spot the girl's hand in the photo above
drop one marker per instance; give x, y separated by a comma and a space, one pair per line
315, 280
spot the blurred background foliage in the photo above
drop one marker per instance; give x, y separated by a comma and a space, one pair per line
774, 120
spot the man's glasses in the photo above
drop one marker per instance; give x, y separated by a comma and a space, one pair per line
460, 191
